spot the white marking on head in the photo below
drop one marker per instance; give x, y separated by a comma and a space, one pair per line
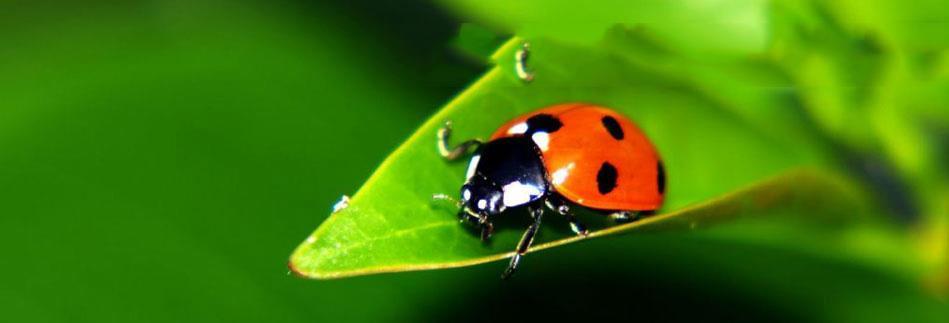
518, 194
494, 201
542, 139
482, 204
466, 194
560, 176
518, 129
472, 166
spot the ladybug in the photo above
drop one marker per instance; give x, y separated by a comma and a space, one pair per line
558, 157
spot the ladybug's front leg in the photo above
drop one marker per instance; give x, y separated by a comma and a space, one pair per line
527, 239
481, 222
486, 230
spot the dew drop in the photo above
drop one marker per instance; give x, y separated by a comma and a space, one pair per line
520, 63
341, 204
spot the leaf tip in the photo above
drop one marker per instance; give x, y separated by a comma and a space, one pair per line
300, 265
294, 270
300, 269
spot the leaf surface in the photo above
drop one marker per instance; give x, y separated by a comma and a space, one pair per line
719, 165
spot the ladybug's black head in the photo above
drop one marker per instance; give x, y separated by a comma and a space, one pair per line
482, 197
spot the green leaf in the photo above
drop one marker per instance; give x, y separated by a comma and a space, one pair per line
477, 43
702, 26
878, 64
840, 74
719, 165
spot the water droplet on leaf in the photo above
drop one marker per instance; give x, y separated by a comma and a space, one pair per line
341, 204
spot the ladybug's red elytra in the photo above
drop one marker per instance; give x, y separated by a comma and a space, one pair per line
557, 157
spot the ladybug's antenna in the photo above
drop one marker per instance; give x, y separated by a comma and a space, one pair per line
444, 197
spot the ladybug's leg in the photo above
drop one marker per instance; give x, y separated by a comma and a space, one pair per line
623, 216
486, 229
450, 153
536, 213
558, 205
628, 216
481, 222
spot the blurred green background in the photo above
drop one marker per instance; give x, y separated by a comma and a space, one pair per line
159, 160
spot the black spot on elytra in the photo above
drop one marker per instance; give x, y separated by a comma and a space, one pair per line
612, 126
543, 123
606, 178
661, 178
